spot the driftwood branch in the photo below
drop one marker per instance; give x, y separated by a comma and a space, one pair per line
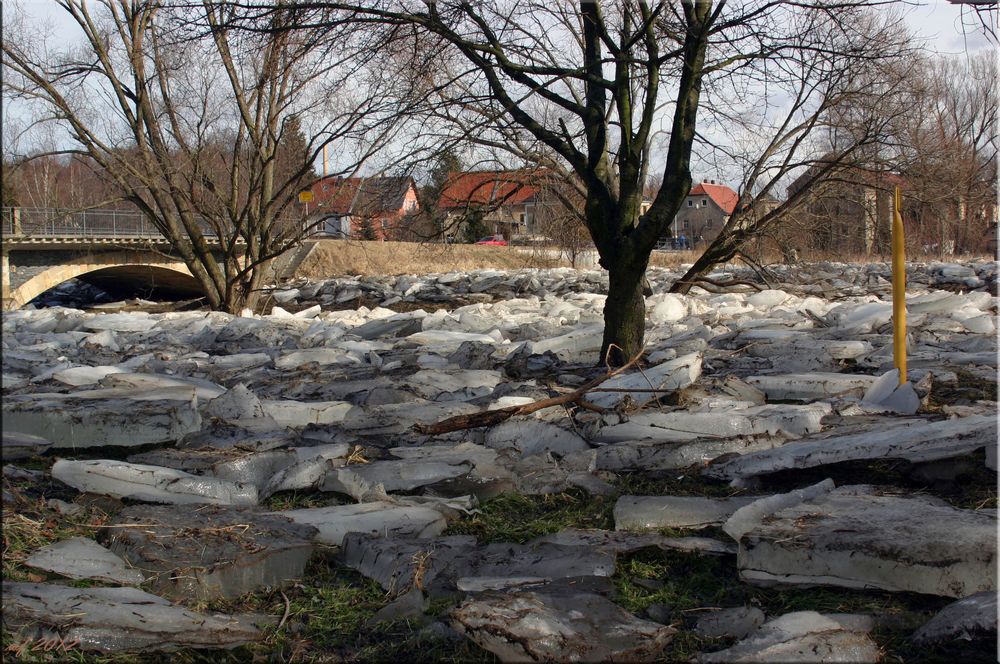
703, 281
489, 418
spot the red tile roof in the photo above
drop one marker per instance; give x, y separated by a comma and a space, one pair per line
487, 188
369, 196
720, 194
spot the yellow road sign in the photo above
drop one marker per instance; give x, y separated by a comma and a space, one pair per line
305, 197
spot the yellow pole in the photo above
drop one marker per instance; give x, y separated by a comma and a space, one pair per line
898, 289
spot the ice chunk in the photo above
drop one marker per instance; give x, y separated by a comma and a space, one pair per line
854, 537
671, 375
575, 345
785, 420
969, 618
655, 512
528, 626
919, 441
668, 308
18, 445
811, 386
887, 394
532, 436
802, 636
238, 403
84, 375
378, 518
116, 619
214, 552
83, 558
151, 483
77, 423
767, 299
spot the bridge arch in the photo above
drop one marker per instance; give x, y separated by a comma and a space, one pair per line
115, 267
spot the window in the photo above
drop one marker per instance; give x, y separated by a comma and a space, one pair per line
690, 202
704, 202
687, 224
410, 205
708, 225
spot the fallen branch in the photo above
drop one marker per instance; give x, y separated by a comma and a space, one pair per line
702, 281
488, 418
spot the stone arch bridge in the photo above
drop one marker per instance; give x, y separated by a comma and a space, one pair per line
114, 250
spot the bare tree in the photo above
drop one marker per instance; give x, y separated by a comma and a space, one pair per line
947, 152
841, 99
589, 85
193, 122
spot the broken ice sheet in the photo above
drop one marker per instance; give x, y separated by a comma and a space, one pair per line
855, 537
437, 565
802, 636
379, 518
529, 626
151, 483
972, 617
671, 375
118, 619
811, 386
359, 479
212, 552
887, 394
83, 558
788, 421
18, 445
78, 423
655, 512
919, 441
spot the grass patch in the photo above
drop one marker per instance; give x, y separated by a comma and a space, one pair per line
692, 584
517, 518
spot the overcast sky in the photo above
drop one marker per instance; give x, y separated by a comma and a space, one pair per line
947, 28
939, 21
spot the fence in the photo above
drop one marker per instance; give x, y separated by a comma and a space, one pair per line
49, 222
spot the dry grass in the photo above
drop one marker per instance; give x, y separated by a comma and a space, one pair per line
332, 258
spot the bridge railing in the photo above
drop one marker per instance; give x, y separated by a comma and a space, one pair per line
97, 223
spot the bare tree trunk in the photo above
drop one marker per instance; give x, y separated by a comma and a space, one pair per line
624, 315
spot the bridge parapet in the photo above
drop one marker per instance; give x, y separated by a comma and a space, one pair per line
23, 222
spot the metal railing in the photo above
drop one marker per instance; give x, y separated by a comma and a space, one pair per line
97, 223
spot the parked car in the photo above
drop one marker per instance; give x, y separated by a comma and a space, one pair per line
493, 240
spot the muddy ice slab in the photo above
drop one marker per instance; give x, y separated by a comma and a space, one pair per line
151, 483
623, 542
811, 386
668, 376
83, 558
654, 512
788, 421
398, 418
974, 617
661, 455
529, 436
377, 518
920, 441
118, 619
269, 470
360, 479
577, 627
803, 636
18, 445
439, 565
212, 552
77, 423
856, 537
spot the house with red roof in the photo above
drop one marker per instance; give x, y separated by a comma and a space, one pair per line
503, 201
703, 213
374, 208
